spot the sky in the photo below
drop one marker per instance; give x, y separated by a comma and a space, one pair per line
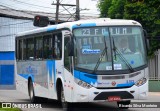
45, 6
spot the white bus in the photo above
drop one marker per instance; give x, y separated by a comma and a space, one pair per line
82, 61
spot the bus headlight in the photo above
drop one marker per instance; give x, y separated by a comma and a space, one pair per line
141, 82
82, 83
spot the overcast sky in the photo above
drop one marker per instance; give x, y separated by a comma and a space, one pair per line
45, 5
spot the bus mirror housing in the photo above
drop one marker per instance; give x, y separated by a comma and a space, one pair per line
41, 21
147, 40
145, 33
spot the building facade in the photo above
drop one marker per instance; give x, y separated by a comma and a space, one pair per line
9, 27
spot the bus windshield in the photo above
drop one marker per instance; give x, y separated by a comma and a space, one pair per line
109, 48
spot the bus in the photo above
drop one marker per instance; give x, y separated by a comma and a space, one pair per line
81, 61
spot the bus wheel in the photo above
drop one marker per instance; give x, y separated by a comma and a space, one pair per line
33, 99
123, 104
65, 104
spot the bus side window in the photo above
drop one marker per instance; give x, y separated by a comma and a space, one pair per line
53, 47
20, 49
30, 48
47, 46
39, 48
66, 57
24, 55
58, 45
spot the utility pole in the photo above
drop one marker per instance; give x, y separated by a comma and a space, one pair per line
57, 12
77, 10
58, 4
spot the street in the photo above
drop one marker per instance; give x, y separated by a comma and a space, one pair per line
51, 105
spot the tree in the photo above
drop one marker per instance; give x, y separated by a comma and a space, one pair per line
144, 11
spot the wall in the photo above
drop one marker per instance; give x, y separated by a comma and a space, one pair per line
9, 27
154, 73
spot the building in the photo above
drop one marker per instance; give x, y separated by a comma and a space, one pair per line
11, 22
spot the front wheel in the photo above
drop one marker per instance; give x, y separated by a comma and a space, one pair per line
65, 104
123, 104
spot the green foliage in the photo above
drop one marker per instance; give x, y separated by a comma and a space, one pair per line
116, 10
146, 12
9, 109
104, 7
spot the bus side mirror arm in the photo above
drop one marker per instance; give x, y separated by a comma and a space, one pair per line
71, 48
146, 40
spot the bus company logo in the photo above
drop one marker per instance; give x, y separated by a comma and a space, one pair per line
91, 51
30, 69
113, 83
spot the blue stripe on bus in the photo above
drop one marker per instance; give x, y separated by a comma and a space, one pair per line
51, 28
125, 85
88, 78
51, 68
7, 56
26, 76
83, 25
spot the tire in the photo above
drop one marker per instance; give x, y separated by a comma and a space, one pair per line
32, 96
65, 104
123, 104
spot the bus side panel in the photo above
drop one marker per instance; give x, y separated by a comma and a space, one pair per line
21, 84
52, 74
68, 85
37, 71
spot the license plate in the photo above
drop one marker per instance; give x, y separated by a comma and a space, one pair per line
114, 98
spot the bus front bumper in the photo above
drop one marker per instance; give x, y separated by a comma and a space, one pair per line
81, 94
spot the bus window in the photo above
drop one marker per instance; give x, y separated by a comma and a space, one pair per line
58, 45
66, 57
20, 50
47, 49
30, 48
39, 48
24, 50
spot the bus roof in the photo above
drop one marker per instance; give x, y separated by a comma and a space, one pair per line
82, 23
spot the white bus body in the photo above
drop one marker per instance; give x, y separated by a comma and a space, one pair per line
95, 71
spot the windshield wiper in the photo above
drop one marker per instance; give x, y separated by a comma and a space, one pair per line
101, 56
121, 57
99, 60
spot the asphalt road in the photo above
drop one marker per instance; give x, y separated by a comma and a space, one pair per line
51, 105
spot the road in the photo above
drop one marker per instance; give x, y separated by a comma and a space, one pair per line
51, 105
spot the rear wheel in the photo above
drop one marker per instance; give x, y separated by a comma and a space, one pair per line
123, 104
32, 96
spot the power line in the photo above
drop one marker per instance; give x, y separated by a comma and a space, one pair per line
4, 5
65, 9
7, 35
15, 24
31, 4
58, 4
15, 9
